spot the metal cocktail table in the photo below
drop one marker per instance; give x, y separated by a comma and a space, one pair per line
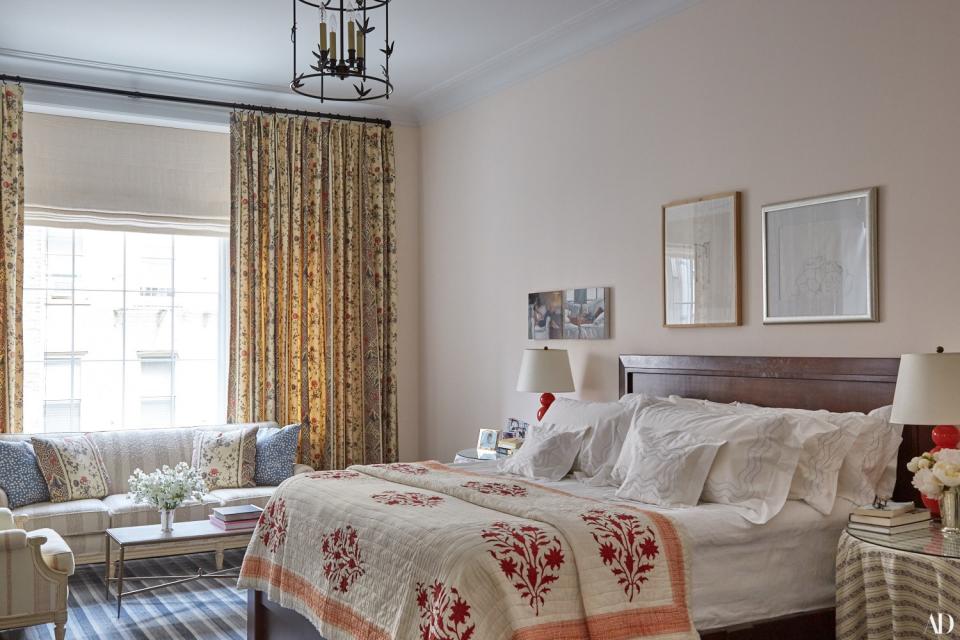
183, 533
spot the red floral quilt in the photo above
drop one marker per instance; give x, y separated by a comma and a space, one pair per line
430, 551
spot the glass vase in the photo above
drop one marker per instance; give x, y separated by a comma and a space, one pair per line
950, 511
166, 520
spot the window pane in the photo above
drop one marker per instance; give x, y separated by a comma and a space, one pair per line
99, 325
34, 256
149, 325
197, 319
99, 260
58, 378
34, 324
58, 319
101, 396
196, 264
149, 262
33, 397
197, 384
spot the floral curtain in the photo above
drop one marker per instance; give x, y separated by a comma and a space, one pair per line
313, 284
11, 260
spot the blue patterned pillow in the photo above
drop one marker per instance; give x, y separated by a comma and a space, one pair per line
276, 454
20, 476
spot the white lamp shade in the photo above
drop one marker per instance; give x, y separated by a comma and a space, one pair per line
545, 371
928, 389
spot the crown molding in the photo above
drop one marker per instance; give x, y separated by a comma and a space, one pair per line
594, 28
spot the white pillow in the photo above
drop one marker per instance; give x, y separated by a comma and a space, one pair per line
869, 466
752, 471
601, 446
545, 454
670, 469
824, 448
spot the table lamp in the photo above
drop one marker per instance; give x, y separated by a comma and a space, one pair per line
545, 371
928, 394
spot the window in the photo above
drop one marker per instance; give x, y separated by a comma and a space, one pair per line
123, 330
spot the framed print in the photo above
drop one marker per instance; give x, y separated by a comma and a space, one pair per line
585, 313
701, 261
545, 315
820, 259
487, 441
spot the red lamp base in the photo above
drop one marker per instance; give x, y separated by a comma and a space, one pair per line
546, 400
944, 436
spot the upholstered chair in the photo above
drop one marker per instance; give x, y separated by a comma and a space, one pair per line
34, 568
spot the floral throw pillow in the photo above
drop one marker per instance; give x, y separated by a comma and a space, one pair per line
72, 468
226, 459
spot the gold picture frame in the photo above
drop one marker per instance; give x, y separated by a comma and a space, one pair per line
700, 261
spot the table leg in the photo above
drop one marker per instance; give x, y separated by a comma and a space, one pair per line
106, 570
218, 559
120, 582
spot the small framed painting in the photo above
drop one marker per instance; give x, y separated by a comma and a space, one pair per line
487, 440
701, 261
586, 313
545, 315
820, 259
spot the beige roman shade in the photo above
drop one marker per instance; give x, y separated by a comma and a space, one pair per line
87, 173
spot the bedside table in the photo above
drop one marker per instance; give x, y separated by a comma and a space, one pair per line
468, 456
893, 584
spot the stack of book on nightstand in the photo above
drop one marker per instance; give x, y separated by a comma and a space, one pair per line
242, 518
894, 518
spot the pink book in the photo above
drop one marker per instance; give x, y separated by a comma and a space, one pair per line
235, 525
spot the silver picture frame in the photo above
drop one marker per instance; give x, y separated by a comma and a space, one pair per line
820, 259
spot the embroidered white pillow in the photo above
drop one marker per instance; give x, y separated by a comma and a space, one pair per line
752, 471
825, 445
670, 469
544, 454
610, 422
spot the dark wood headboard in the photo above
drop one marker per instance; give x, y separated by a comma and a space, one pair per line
834, 384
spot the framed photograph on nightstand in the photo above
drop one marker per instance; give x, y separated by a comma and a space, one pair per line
488, 440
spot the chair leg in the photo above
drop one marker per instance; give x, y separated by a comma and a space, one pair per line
60, 630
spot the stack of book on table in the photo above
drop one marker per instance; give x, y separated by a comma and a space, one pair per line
242, 518
894, 518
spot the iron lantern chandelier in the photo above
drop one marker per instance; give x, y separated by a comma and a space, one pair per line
339, 50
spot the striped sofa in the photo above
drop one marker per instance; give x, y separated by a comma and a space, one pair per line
82, 523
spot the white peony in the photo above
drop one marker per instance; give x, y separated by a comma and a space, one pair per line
948, 473
914, 465
928, 484
950, 456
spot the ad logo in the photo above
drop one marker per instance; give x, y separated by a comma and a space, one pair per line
941, 623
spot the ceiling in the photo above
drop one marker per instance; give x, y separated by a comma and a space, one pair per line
448, 52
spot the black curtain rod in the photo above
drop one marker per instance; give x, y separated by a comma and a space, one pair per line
181, 99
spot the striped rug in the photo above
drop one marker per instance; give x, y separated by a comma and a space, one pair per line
202, 609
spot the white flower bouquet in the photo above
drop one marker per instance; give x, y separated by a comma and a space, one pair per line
933, 473
166, 488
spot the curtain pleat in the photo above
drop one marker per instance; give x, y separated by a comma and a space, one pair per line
11, 260
313, 275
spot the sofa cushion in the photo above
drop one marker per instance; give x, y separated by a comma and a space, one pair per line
20, 477
226, 459
67, 518
71, 467
145, 449
55, 552
250, 495
124, 512
276, 454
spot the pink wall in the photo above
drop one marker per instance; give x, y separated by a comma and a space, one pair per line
558, 182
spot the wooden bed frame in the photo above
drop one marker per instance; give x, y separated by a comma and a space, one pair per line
835, 384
